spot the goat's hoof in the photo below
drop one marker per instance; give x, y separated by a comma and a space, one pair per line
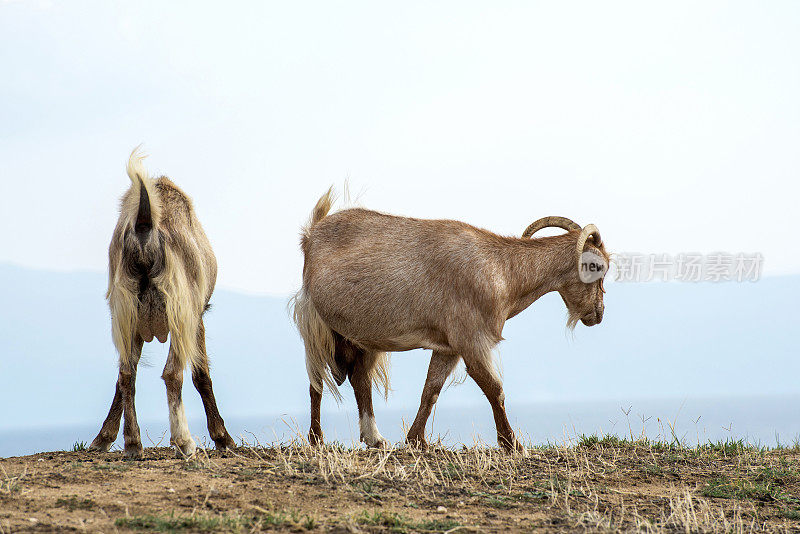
516, 448
417, 442
133, 452
315, 438
224, 443
380, 443
99, 446
186, 450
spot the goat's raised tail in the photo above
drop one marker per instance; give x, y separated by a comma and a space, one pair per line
320, 211
148, 207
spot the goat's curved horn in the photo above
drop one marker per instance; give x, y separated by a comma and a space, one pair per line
547, 222
589, 230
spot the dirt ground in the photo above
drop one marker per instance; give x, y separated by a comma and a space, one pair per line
598, 485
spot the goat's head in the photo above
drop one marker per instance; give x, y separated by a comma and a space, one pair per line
581, 288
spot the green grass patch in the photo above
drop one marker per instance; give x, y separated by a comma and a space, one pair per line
730, 447
653, 470
401, 524
663, 446
792, 514
752, 490
727, 447
501, 502
383, 519
778, 475
79, 446
368, 490
764, 485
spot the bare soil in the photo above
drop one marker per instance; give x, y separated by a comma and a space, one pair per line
599, 485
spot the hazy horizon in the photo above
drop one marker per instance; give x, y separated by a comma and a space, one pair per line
670, 342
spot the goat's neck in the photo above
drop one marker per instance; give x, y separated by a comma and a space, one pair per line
536, 267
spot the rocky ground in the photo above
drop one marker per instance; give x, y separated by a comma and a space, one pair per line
598, 485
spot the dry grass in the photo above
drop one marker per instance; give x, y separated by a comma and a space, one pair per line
595, 484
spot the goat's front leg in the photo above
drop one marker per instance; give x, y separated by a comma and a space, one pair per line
361, 380
480, 368
439, 369
178, 428
123, 402
201, 379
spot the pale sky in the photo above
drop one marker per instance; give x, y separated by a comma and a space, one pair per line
674, 127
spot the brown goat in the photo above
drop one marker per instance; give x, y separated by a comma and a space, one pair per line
374, 283
162, 272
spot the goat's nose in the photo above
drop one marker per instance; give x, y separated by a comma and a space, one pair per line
599, 309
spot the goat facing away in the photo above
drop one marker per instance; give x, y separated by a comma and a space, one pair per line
374, 283
162, 272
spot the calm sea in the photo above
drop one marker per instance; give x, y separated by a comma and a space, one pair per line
761, 420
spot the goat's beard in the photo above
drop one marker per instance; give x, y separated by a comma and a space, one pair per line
572, 320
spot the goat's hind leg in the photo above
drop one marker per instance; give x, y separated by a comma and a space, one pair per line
201, 379
315, 432
361, 380
178, 427
345, 355
108, 432
123, 403
439, 369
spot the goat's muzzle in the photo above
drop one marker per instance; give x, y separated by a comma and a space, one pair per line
595, 317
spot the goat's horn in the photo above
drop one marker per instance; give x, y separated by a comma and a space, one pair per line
589, 230
547, 222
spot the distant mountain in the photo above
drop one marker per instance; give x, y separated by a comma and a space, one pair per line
58, 365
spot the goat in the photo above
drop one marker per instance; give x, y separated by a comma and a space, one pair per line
374, 283
162, 273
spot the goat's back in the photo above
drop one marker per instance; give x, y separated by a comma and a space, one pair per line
396, 283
